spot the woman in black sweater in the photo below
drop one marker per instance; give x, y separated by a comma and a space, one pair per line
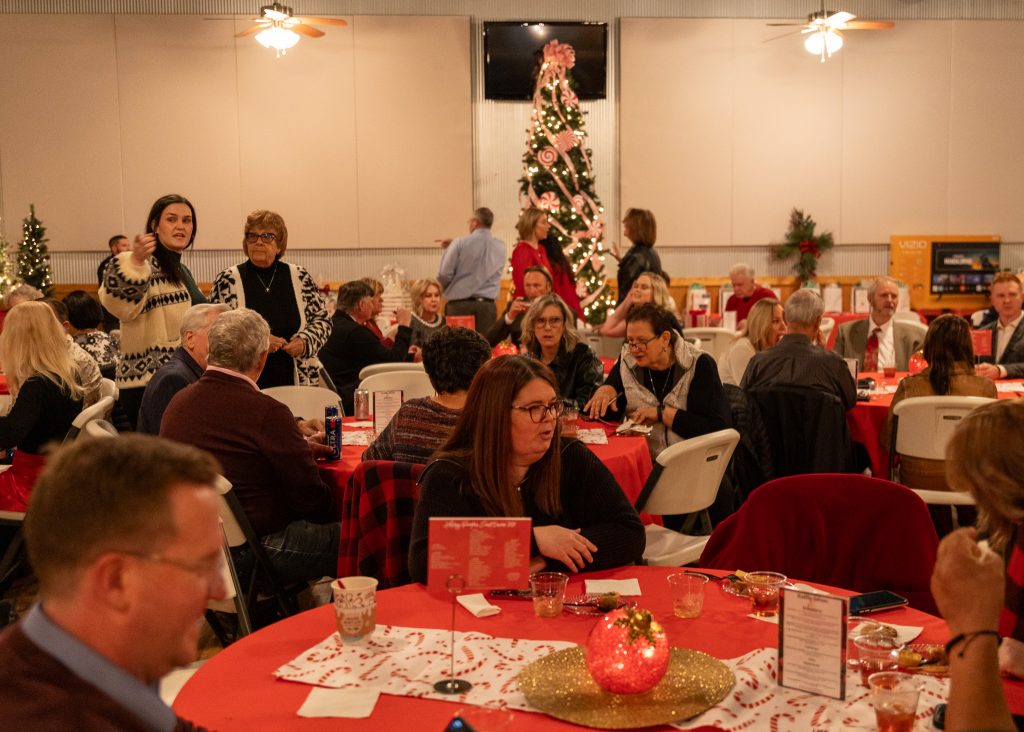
506, 458
550, 337
47, 397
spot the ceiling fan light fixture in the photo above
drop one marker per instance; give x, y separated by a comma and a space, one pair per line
823, 42
278, 38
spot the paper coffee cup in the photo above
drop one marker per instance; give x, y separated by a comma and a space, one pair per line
355, 607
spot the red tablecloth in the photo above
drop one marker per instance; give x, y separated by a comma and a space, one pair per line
607, 363
626, 457
867, 419
3, 385
235, 690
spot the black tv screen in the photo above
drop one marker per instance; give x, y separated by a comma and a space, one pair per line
963, 268
512, 56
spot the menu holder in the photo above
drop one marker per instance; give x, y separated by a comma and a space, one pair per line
982, 341
385, 405
812, 643
480, 554
461, 321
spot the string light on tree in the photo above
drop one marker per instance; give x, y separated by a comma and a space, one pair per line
558, 177
33, 258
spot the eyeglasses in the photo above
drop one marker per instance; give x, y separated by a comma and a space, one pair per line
539, 412
268, 237
208, 571
548, 322
640, 344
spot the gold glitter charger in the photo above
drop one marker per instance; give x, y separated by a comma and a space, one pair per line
560, 685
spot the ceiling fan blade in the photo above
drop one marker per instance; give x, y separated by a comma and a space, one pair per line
250, 31
784, 24
784, 35
320, 21
839, 18
306, 30
868, 25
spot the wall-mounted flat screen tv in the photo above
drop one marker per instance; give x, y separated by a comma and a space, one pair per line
512, 56
963, 268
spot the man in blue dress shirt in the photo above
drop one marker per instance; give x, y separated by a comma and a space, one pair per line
471, 269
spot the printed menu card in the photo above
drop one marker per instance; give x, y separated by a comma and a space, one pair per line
812, 643
487, 553
385, 404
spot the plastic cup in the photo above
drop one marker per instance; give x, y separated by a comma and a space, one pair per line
548, 593
687, 594
482, 719
876, 653
355, 607
570, 420
894, 696
763, 588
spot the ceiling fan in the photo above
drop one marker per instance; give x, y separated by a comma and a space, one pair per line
824, 30
279, 28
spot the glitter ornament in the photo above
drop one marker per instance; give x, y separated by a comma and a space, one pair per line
917, 364
627, 652
505, 348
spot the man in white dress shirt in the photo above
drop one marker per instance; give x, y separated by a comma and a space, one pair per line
1007, 359
887, 343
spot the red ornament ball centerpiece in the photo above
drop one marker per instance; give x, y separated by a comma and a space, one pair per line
627, 652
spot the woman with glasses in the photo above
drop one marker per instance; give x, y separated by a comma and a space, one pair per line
506, 458
764, 326
149, 290
285, 295
550, 336
647, 287
662, 381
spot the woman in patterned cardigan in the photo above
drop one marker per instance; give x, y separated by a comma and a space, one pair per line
148, 289
285, 295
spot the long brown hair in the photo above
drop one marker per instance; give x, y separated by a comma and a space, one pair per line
946, 346
482, 439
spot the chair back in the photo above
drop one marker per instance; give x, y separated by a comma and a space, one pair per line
109, 388
326, 381
233, 534
414, 384
923, 425
376, 511
307, 402
844, 530
715, 341
99, 428
807, 430
687, 474
827, 326
99, 410
909, 316
384, 368
915, 325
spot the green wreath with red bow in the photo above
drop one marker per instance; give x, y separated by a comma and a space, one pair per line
802, 243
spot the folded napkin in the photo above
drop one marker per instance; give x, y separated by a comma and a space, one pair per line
362, 424
351, 703
592, 436
478, 605
360, 437
629, 587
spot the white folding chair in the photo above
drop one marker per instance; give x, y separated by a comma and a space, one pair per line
715, 341
915, 325
109, 388
826, 328
307, 402
383, 368
414, 384
922, 426
685, 480
909, 316
99, 428
233, 536
99, 410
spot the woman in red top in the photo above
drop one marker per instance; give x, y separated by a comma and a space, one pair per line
531, 251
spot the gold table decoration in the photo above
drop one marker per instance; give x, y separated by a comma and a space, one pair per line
560, 685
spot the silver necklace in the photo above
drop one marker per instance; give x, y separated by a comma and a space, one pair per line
266, 285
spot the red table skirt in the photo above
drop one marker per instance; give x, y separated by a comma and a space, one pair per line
235, 690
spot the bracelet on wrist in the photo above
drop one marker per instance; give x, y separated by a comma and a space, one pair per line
966, 639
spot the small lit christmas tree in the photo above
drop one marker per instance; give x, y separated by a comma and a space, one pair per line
8, 276
33, 259
559, 178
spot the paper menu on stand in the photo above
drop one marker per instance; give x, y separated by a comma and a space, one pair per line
385, 404
812, 643
487, 553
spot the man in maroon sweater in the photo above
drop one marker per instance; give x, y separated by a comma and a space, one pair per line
124, 537
266, 458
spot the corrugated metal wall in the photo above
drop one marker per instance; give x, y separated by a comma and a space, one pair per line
500, 127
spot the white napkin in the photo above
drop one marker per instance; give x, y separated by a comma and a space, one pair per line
478, 605
363, 424
351, 703
361, 437
630, 587
592, 436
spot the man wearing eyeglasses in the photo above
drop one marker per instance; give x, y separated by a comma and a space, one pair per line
123, 535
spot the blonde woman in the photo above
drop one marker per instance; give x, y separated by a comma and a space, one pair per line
765, 325
426, 309
47, 398
648, 287
550, 337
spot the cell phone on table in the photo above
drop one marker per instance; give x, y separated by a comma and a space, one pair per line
873, 602
511, 594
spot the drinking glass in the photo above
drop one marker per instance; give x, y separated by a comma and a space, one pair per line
548, 593
894, 696
876, 653
763, 588
687, 594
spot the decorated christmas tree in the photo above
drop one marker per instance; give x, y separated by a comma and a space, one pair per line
559, 178
33, 259
8, 276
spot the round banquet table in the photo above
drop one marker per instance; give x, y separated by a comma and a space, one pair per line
867, 419
3, 385
626, 457
236, 689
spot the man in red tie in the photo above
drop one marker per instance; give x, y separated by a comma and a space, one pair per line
879, 341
